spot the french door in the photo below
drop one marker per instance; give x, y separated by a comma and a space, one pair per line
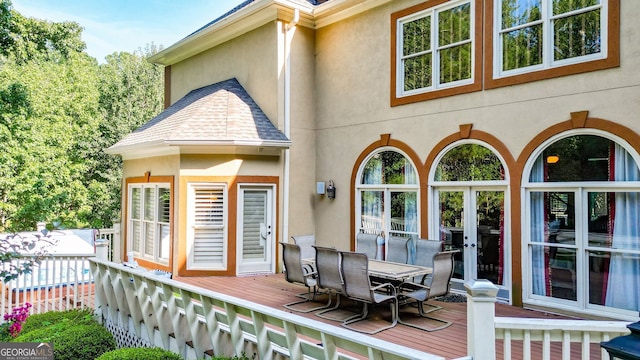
471, 220
255, 229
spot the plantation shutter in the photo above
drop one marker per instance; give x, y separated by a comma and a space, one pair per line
136, 223
254, 225
164, 208
149, 219
209, 228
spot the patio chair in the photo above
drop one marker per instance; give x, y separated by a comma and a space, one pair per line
357, 286
397, 249
296, 272
306, 243
439, 285
425, 251
367, 244
328, 262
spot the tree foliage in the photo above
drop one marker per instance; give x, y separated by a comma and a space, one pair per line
59, 110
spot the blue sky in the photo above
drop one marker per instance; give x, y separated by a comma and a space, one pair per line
127, 25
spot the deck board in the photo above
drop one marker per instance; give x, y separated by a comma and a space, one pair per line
274, 291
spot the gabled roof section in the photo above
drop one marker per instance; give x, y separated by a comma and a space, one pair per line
217, 116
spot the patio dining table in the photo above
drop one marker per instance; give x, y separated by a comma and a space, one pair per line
397, 273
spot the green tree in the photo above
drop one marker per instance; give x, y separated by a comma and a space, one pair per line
131, 93
59, 110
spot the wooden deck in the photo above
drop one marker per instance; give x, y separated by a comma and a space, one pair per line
274, 291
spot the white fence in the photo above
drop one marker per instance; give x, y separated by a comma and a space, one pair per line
62, 282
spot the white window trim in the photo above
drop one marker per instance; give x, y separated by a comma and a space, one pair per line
192, 187
547, 35
157, 241
435, 84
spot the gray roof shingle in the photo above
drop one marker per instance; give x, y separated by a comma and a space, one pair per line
222, 112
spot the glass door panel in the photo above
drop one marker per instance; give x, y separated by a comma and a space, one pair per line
490, 235
451, 216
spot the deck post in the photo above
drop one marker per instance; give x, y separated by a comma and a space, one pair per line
102, 249
481, 312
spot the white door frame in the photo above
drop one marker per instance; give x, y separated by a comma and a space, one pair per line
267, 265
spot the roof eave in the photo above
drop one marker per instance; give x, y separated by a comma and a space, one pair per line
212, 147
244, 20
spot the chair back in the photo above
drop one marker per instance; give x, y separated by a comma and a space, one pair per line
397, 249
425, 251
367, 244
328, 268
355, 276
442, 273
306, 243
293, 271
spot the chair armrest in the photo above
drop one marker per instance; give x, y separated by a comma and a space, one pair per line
309, 270
390, 288
412, 286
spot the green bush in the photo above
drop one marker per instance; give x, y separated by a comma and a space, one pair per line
75, 336
139, 354
59, 319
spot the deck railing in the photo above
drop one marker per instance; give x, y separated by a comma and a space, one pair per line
565, 339
60, 282
193, 322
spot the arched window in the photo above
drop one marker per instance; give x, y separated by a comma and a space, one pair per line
582, 213
388, 195
468, 191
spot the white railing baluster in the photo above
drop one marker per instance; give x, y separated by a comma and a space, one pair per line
507, 344
566, 345
546, 345
586, 345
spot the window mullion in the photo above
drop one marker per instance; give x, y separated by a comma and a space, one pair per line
435, 45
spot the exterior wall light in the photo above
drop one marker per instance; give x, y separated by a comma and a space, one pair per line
331, 190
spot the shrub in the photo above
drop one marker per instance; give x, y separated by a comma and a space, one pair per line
61, 319
139, 354
75, 336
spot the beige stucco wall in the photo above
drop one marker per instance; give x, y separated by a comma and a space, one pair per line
353, 107
257, 60
229, 165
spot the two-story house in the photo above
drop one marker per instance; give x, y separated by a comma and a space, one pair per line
508, 129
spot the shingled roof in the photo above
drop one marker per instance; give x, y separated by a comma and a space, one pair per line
218, 114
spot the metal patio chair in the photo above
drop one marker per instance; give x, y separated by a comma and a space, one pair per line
367, 244
425, 251
397, 249
296, 272
357, 286
328, 262
306, 243
439, 285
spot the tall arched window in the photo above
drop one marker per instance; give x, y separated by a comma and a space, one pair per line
581, 228
388, 195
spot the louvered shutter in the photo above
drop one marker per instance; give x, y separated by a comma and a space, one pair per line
254, 221
209, 249
149, 219
164, 208
136, 223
